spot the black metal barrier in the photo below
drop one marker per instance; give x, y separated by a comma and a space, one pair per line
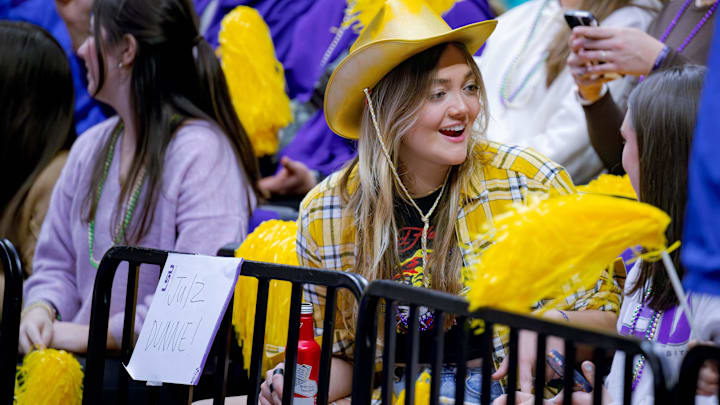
444, 305
12, 304
690, 370
264, 272
332, 281
99, 317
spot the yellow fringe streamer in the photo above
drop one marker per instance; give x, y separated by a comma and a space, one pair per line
558, 245
362, 12
255, 78
273, 242
610, 184
655, 255
49, 377
422, 390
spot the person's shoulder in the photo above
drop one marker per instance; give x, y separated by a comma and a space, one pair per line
95, 135
328, 191
200, 142
198, 135
86, 147
638, 14
48, 177
520, 11
519, 159
524, 167
510, 20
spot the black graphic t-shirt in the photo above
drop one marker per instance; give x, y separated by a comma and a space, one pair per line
411, 272
410, 228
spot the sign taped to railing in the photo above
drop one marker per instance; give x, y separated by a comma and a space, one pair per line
186, 311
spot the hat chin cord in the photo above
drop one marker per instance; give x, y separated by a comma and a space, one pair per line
424, 217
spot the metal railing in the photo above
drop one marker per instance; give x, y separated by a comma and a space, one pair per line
690, 370
332, 281
444, 305
99, 317
12, 305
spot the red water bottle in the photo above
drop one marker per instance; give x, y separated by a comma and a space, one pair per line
308, 360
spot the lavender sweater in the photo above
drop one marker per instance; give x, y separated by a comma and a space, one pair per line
203, 204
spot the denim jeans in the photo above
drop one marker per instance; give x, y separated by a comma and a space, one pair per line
473, 383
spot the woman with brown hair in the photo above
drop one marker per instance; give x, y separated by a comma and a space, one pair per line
174, 170
658, 131
36, 130
531, 92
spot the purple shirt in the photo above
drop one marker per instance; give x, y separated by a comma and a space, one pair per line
203, 204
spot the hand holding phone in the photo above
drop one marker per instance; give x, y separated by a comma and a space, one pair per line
556, 361
582, 18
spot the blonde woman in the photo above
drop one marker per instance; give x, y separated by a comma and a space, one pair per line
412, 205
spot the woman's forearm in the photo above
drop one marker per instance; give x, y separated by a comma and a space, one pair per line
603, 320
341, 375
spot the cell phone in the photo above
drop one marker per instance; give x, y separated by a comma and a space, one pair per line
576, 18
556, 361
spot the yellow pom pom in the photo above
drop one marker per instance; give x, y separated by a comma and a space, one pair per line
555, 246
272, 242
422, 390
611, 185
255, 78
49, 377
363, 11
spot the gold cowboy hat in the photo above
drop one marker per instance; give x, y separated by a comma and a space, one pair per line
400, 30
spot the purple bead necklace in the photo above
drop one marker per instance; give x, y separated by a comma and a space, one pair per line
694, 31
649, 335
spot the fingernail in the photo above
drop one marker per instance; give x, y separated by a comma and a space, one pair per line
588, 367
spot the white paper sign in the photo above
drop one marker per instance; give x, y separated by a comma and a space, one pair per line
184, 316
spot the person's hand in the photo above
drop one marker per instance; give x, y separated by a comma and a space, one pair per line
708, 376
71, 337
294, 178
521, 398
708, 379
585, 398
527, 356
76, 14
36, 329
625, 51
271, 388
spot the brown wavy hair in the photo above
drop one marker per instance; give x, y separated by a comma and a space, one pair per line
663, 110
398, 98
36, 118
175, 74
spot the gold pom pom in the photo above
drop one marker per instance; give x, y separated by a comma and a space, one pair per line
272, 242
610, 184
557, 245
422, 390
255, 78
49, 377
363, 11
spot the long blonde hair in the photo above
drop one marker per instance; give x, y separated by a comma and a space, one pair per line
398, 99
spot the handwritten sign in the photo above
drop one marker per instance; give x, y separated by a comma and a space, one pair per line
187, 308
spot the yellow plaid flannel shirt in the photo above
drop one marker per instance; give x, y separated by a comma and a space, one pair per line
326, 235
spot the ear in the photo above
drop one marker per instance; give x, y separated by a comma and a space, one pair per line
128, 49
